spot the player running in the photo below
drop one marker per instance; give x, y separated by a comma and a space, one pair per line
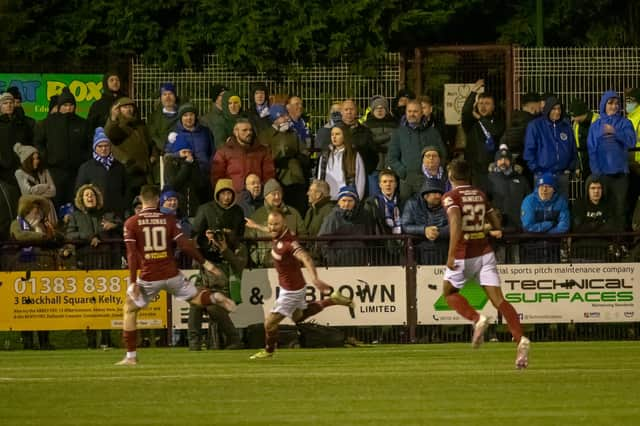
471, 256
149, 237
287, 253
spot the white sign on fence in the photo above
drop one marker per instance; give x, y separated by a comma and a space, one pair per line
379, 293
551, 293
454, 97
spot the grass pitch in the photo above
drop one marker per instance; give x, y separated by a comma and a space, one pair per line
595, 383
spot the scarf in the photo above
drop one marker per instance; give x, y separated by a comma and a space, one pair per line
106, 162
438, 176
391, 213
27, 254
263, 110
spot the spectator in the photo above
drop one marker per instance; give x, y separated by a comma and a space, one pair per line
162, 121
199, 136
320, 205
101, 108
207, 120
170, 204
90, 226
251, 199
361, 140
382, 125
609, 141
593, 215
181, 172
424, 216
385, 205
483, 129
429, 118
507, 189
407, 142
549, 146
19, 113
514, 135
224, 124
131, 144
432, 167
256, 224
296, 110
399, 105
259, 112
582, 118
544, 212
8, 207
220, 214
323, 136
34, 178
64, 141
341, 164
240, 156
632, 98
348, 217
106, 173
31, 224
230, 256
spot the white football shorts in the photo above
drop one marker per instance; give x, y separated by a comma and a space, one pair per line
179, 286
290, 300
482, 267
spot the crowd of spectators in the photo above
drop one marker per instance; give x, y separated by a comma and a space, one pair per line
379, 172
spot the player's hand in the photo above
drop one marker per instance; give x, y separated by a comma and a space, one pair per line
496, 233
95, 241
321, 285
211, 268
451, 263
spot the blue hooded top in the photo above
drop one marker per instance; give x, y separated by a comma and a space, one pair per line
549, 216
608, 151
549, 146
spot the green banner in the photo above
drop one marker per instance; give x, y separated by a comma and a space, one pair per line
37, 89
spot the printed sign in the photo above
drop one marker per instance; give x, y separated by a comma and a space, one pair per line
71, 300
37, 89
552, 293
379, 294
454, 97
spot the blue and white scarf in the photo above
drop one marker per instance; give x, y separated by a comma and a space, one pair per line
106, 162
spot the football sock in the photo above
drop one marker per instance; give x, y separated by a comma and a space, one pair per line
511, 316
130, 340
462, 306
271, 339
132, 354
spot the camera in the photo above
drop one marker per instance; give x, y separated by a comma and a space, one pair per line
218, 235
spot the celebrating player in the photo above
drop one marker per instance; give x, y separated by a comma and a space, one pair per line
149, 237
287, 255
471, 256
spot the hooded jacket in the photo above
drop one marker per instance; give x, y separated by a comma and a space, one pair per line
608, 153
20, 229
101, 109
416, 215
202, 143
259, 119
591, 218
406, 146
86, 223
222, 124
549, 146
550, 216
506, 193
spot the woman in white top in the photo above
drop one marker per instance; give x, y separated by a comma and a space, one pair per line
341, 164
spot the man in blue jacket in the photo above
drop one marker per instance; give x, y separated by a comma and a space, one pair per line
609, 140
550, 147
545, 212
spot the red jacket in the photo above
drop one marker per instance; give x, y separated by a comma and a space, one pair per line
236, 161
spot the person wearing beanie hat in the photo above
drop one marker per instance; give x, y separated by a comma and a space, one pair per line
270, 186
507, 188
161, 123
169, 202
7, 104
101, 108
199, 137
34, 178
432, 167
106, 173
222, 124
167, 87
348, 191
276, 111
545, 210
182, 173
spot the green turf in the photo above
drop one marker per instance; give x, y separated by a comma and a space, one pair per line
594, 383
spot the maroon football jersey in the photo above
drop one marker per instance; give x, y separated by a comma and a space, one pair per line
473, 206
283, 250
149, 236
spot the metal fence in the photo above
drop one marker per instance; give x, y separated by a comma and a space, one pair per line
317, 85
575, 72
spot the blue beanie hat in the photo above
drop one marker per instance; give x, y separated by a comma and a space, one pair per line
182, 142
348, 191
276, 111
546, 179
167, 193
167, 87
99, 136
